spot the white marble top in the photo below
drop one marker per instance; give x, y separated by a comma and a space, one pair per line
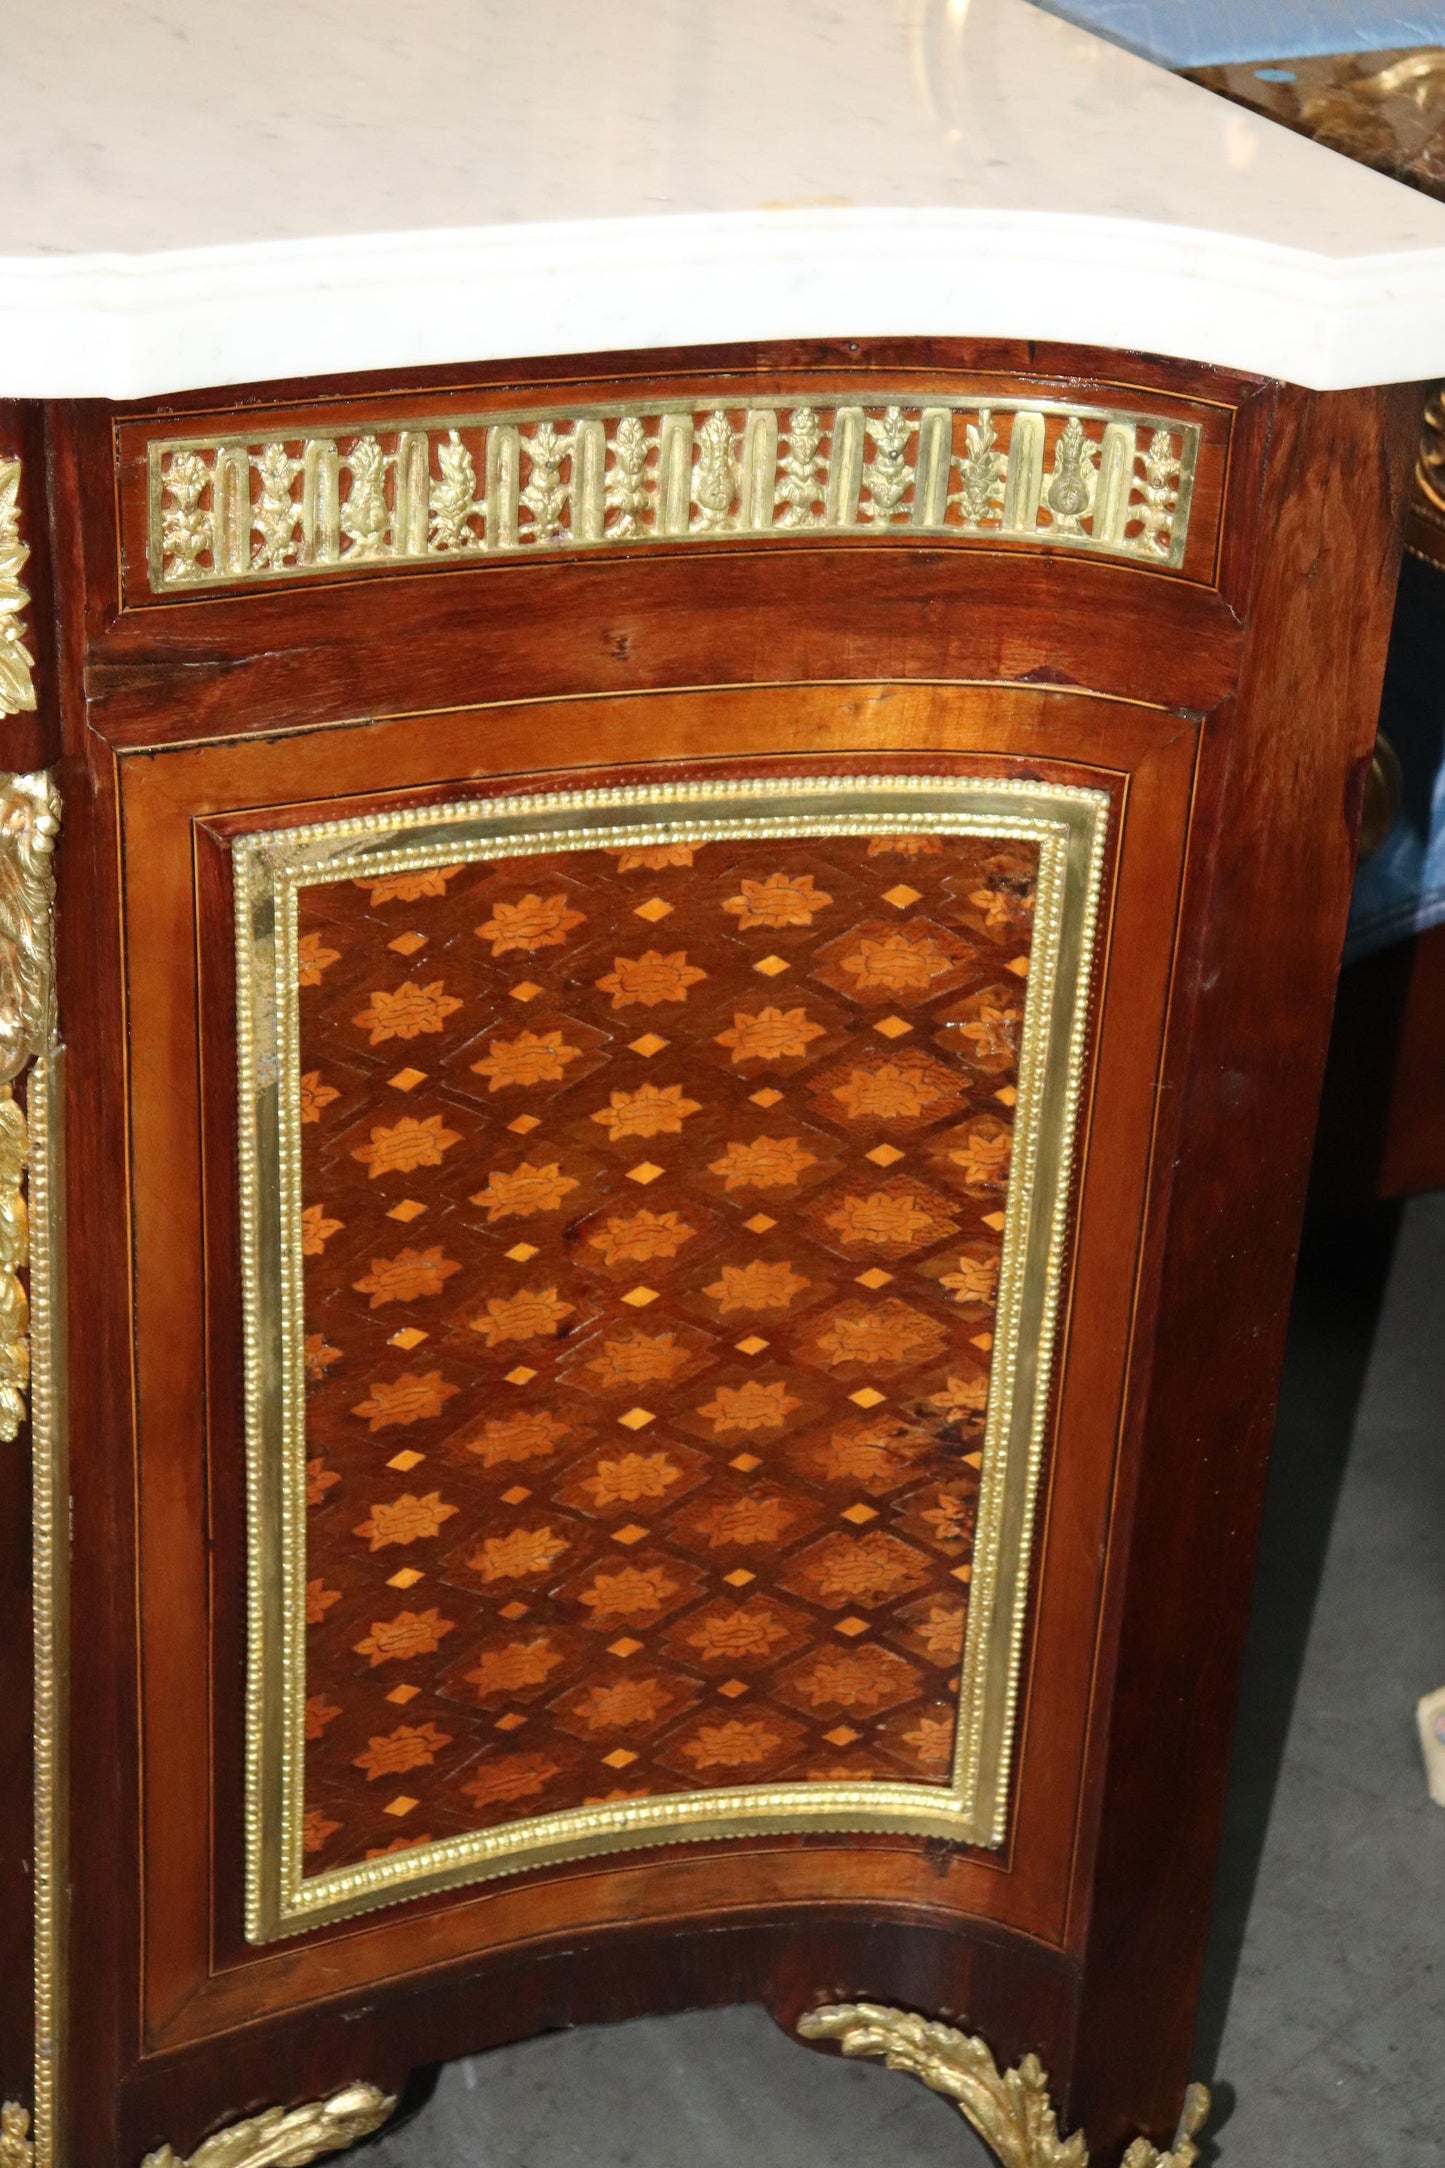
199, 191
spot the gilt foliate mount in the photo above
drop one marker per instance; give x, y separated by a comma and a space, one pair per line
29, 822
286, 2137
474, 486
1011, 2110
17, 685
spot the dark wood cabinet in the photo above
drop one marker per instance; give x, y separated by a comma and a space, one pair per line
693, 991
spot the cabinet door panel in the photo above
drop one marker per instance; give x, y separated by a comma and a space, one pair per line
644, 1230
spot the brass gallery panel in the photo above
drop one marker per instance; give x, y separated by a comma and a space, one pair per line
654, 1204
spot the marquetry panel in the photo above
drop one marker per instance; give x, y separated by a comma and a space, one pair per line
652, 1220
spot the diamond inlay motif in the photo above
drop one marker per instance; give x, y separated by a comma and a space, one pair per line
718, 1528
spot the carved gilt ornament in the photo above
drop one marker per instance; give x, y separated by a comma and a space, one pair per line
29, 819
17, 686
500, 484
1011, 2110
16, 2150
286, 2137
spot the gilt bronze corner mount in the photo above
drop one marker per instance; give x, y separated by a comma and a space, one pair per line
1011, 2110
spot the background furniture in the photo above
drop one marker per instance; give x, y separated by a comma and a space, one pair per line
1365, 84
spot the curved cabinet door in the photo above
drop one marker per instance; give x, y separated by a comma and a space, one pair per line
639, 1206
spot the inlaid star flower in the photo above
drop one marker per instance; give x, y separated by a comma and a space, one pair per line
406, 1519
533, 1313
629, 1593
635, 1237
407, 1276
406, 1145
973, 1279
932, 1741
983, 1155
515, 1666
754, 1405
761, 1284
410, 1746
863, 1679
530, 1434
313, 959
406, 1012
650, 978
751, 1629
527, 1189
628, 1477
619, 1704
411, 1398
765, 1163
533, 1057
654, 857
773, 1034
520, 1553
890, 1335
740, 1743
905, 962
883, 1091
782, 899
316, 1230
314, 1095
319, 1480
638, 1358
510, 1777
536, 922
319, 1356
410, 887
319, 1599
651, 1111
748, 1519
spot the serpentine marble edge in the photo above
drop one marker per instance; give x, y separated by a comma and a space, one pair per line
836, 168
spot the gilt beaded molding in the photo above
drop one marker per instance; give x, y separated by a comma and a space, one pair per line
483, 485
1011, 2110
1068, 826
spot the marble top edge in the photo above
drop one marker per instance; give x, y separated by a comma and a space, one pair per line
951, 168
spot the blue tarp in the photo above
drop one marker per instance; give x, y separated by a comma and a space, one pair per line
1204, 33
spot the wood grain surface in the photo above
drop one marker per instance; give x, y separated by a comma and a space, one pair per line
1228, 716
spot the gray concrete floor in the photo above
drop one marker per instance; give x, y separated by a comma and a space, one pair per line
1322, 2024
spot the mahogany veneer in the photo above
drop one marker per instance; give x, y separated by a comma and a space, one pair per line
1217, 710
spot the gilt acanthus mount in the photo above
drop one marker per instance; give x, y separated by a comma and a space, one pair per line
1011, 2110
288, 2137
17, 686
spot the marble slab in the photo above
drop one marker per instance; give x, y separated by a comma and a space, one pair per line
214, 194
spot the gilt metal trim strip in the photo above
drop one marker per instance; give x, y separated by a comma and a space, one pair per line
1011, 2110
32, 1356
902, 465
45, 1106
1068, 825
